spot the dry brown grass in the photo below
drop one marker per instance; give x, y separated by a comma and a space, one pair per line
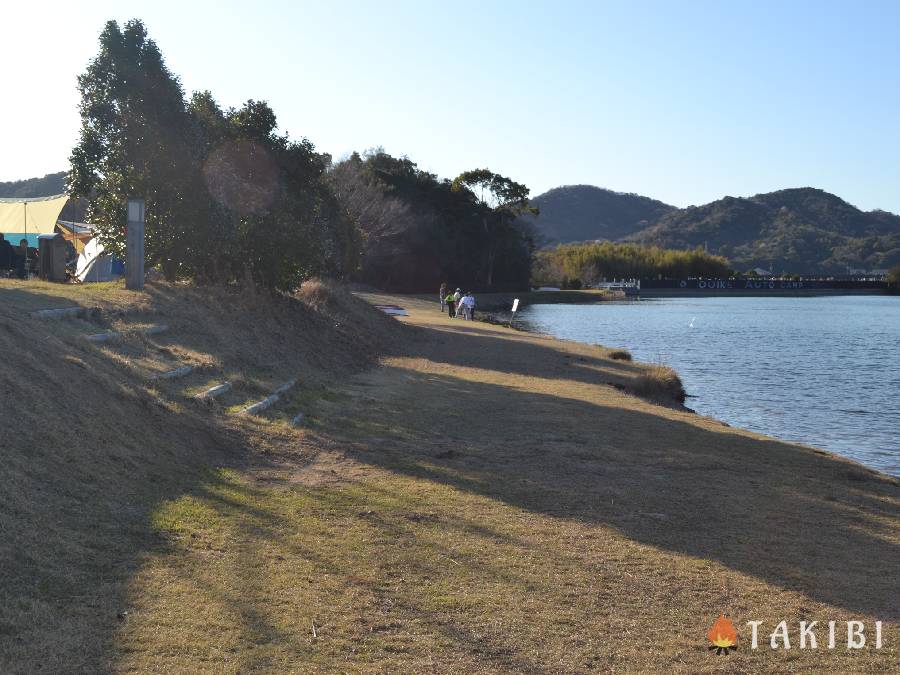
91, 446
658, 383
484, 501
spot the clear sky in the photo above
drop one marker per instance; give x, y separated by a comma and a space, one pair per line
682, 101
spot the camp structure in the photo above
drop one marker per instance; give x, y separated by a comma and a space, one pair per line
29, 218
32, 217
95, 264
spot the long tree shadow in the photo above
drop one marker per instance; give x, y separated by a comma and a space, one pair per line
90, 449
792, 516
262, 528
77, 516
79, 485
492, 350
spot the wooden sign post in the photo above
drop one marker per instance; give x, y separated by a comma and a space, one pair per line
134, 245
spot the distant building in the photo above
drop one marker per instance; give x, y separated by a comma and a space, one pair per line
761, 272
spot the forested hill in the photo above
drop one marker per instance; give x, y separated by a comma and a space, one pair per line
796, 230
51, 184
583, 212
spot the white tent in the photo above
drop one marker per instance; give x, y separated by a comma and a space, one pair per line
94, 264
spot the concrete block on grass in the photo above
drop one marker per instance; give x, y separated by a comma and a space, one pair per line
173, 374
268, 401
212, 392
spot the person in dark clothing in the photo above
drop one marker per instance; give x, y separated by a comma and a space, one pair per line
24, 255
442, 294
7, 255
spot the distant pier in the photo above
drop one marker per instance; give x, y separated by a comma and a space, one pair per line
650, 288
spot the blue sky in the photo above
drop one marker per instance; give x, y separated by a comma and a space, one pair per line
681, 101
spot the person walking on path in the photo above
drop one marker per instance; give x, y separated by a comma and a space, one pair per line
442, 295
463, 307
468, 302
451, 304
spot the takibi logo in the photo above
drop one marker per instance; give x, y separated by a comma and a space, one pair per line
722, 635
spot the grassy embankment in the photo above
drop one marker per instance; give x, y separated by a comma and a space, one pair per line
485, 500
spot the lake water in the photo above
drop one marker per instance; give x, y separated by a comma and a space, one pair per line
824, 371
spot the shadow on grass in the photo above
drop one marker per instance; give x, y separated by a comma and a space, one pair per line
76, 516
382, 587
793, 517
489, 350
90, 451
19, 298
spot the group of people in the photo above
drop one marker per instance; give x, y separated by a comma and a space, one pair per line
16, 261
459, 304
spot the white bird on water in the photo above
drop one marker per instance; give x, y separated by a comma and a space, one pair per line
692, 322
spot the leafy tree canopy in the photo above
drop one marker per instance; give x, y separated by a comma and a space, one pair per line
421, 230
226, 195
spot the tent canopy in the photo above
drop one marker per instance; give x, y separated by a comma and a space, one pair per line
31, 217
78, 233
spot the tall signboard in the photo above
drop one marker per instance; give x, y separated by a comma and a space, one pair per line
134, 245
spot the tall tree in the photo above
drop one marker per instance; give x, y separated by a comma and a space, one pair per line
268, 206
419, 230
136, 141
226, 196
501, 200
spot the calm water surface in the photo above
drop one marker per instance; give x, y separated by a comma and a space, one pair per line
822, 371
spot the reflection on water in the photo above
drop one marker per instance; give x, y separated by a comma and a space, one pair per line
823, 371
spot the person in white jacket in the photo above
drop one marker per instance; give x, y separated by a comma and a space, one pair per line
467, 302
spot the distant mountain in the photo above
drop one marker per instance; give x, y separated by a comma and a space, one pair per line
797, 230
583, 212
51, 184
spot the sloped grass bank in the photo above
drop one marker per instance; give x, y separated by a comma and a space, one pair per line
92, 445
486, 500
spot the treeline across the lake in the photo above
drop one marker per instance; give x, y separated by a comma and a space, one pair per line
578, 265
228, 198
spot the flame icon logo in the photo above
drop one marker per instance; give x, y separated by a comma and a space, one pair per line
722, 635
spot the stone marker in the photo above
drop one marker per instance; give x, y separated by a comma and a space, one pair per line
172, 374
103, 337
55, 313
134, 245
269, 400
212, 392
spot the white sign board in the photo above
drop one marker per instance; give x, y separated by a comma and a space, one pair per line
515, 304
